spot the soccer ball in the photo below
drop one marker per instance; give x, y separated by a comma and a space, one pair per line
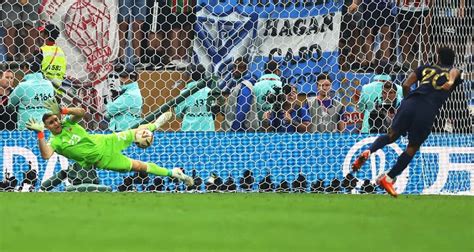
143, 138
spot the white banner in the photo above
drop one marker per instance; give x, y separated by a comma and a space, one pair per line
297, 33
89, 35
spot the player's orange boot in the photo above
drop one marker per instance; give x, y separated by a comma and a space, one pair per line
360, 160
387, 183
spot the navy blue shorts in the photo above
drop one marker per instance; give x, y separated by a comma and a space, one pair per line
415, 117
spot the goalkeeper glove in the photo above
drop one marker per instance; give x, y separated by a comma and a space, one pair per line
32, 124
53, 106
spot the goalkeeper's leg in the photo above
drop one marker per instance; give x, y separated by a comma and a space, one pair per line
159, 122
122, 140
122, 163
152, 168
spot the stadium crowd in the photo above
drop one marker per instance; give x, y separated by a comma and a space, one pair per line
160, 33
386, 38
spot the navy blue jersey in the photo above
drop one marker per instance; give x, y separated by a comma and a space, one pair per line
430, 80
418, 111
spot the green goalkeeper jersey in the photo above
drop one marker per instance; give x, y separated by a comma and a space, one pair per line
75, 143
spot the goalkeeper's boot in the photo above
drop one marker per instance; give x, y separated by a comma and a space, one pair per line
360, 160
179, 174
386, 183
162, 119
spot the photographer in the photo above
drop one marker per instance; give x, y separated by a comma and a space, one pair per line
287, 113
384, 110
370, 92
266, 85
196, 111
126, 109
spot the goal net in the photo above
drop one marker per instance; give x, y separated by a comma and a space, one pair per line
268, 96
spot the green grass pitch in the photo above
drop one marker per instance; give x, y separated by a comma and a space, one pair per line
234, 222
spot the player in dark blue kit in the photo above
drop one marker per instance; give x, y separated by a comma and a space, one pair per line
416, 114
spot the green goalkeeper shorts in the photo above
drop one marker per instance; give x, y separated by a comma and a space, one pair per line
113, 145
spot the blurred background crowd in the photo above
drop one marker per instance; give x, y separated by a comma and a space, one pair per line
124, 61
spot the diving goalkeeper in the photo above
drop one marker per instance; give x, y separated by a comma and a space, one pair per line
104, 151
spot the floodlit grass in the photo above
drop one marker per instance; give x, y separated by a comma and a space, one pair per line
234, 222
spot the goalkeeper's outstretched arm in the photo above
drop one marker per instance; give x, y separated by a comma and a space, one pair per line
76, 113
45, 150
